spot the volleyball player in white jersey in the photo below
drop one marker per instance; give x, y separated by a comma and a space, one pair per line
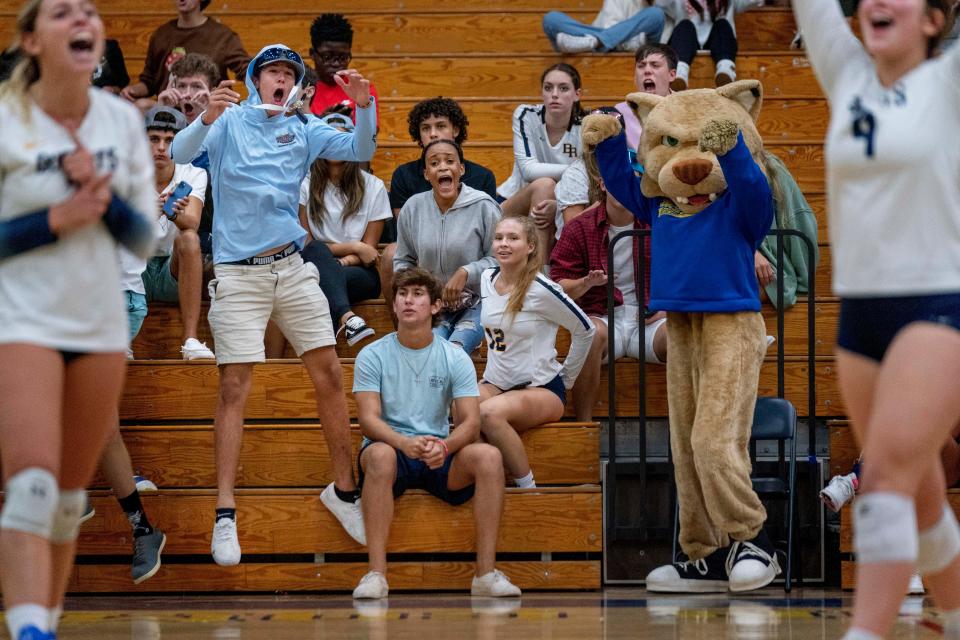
66, 148
893, 162
523, 385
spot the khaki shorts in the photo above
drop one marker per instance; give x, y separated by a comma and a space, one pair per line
244, 297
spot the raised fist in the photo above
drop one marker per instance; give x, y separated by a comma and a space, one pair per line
719, 136
597, 127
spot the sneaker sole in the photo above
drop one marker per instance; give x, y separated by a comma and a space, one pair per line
87, 516
691, 586
156, 567
756, 584
363, 335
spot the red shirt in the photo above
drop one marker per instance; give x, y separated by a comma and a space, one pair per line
582, 248
327, 96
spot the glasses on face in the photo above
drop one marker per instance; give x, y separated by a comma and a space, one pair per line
333, 57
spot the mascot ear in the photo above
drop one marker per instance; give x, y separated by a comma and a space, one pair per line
748, 93
642, 104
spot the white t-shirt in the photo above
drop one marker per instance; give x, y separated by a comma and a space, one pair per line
893, 164
67, 295
573, 188
375, 206
623, 267
522, 350
534, 156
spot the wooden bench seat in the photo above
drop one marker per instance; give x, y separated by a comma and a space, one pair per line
176, 456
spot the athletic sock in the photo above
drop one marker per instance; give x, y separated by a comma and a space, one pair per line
526, 482
347, 496
55, 614
683, 71
137, 517
226, 513
860, 634
26, 615
951, 624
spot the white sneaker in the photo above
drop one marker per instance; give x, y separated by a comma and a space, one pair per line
634, 43
576, 44
750, 567
144, 484
349, 515
225, 547
493, 584
916, 586
373, 586
193, 349
839, 491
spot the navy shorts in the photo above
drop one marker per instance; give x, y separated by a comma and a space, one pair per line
556, 386
415, 474
869, 325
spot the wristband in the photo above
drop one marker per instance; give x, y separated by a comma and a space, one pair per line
25, 232
446, 451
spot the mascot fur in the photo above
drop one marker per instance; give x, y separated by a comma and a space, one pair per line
709, 204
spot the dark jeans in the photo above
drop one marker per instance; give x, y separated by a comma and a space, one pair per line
341, 285
722, 42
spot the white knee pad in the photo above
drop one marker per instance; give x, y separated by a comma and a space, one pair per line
66, 520
885, 528
30, 502
939, 545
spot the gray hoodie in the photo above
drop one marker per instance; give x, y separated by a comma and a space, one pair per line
444, 242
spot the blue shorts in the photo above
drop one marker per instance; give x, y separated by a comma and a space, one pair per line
415, 474
136, 311
556, 386
462, 327
869, 325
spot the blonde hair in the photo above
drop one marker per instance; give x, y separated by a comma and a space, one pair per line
530, 270
27, 70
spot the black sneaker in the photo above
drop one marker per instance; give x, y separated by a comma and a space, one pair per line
707, 575
752, 564
355, 330
146, 555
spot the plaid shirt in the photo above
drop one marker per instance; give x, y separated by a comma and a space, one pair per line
582, 248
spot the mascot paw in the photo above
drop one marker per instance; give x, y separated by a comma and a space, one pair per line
719, 136
598, 127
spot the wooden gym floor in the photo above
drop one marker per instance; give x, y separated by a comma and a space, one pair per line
612, 614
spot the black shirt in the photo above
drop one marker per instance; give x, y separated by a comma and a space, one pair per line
408, 181
112, 70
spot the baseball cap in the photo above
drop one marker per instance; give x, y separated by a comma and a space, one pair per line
339, 121
166, 118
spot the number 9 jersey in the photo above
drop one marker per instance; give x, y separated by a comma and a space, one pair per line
521, 349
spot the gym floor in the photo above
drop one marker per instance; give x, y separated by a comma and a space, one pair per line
613, 614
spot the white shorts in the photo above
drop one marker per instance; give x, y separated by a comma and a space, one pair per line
244, 297
626, 334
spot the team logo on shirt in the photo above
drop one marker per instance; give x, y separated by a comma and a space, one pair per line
436, 382
286, 138
104, 159
864, 125
570, 150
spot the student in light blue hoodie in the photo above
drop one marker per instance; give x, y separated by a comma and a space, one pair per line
259, 152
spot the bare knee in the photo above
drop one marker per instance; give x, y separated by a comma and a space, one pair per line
234, 386
489, 416
486, 461
379, 461
325, 368
544, 187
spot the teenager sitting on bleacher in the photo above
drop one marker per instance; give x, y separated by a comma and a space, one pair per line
546, 139
705, 24
331, 44
259, 154
190, 32
523, 385
579, 265
623, 25
404, 385
192, 78
343, 208
449, 232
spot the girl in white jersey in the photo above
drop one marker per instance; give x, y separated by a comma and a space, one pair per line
63, 327
546, 140
523, 385
893, 159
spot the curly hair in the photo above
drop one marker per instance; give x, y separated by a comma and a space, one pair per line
439, 107
197, 64
330, 27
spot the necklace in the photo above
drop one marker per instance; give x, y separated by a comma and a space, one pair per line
416, 373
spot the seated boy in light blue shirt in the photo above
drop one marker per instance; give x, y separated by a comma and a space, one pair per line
404, 384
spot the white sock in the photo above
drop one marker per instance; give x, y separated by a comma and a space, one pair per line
683, 71
727, 66
951, 624
860, 634
25, 615
55, 614
526, 482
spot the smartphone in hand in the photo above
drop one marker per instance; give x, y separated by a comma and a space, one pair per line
182, 190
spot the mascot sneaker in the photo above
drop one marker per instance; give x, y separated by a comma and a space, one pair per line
752, 564
706, 575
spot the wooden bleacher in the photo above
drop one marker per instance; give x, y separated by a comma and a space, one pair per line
488, 54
